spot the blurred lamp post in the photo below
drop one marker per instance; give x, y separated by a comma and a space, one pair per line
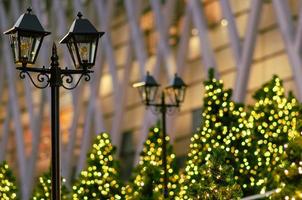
176, 91
26, 37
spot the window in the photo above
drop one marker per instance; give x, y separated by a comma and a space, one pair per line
180, 161
196, 119
127, 155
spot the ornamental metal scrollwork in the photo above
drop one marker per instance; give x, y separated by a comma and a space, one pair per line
42, 79
68, 80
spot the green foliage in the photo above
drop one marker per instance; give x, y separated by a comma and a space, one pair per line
273, 120
147, 181
217, 180
223, 127
254, 140
43, 188
289, 174
101, 180
8, 188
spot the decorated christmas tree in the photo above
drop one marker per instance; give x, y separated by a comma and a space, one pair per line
101, 180
8, 188
273, 121
289, 174
148, 178
217, 180
224, 128
43, 188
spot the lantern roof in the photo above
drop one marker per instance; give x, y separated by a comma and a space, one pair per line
148, 82
28, 22
81, 26
178, 82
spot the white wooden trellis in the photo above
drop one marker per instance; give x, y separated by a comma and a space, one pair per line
292, 40
182, 55
104, 15
248, 49
165, 54
5, 134
122, 91
15, 108
35, 124
133, 12
77, 98
232, 28
207, 53
94, 88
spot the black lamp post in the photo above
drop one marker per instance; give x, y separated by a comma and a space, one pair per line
26, 38
176, 92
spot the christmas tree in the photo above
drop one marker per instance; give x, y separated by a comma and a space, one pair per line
273, 121
43, 188
148, 178
101, 180
217, 180
8, 188
223, 127
289, 173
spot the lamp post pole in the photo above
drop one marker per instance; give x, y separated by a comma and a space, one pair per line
163, 110
55, 83
148, 89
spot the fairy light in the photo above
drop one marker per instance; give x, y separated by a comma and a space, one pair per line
101, 178
215, 133
274, 122
149, 172
8, 189
265, 130
42, 189
290, 181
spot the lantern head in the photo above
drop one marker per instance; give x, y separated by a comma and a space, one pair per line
82, 41
26, 37
177, 90
147, 89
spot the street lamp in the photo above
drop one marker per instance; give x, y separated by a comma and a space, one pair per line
176, 92
26, 38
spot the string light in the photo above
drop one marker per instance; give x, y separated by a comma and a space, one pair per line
221, 131
101, 178
43, 189
148, 178
273, 123
8, 189
288, 174
265, 130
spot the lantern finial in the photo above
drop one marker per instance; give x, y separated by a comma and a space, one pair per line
79, 15
54, 56
29, 10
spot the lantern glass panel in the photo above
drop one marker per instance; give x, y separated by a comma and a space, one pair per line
29, 47
148, 93
152, 91
176, 94
180, 94
73, 52
13, 38
86, 46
